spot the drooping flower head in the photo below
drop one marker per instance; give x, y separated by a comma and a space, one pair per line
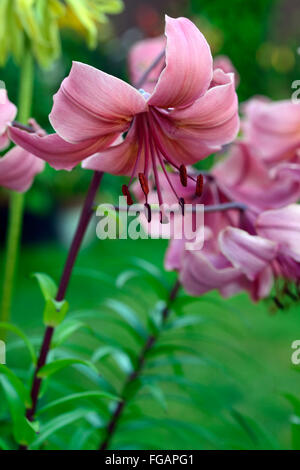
17, 167
190, 114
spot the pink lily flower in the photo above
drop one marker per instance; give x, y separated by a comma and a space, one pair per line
8, 112
244, 177
272, 128
191, 113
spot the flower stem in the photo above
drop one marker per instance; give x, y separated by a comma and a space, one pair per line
16, 199
151, 340
86, 215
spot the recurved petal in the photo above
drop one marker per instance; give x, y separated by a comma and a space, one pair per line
18, 169
251, 254
60, 154
118, 159
199, 275
213, 118
91, 104
188, 70
282, 226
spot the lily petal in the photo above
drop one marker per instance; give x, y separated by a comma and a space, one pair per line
95, 103
189, 66
251, 254
273, 128
213, 118
60, 154
199, 275
244, 177
282, 226
18, 169
118, 159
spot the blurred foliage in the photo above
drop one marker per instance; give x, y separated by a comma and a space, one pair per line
219, 377
38, 22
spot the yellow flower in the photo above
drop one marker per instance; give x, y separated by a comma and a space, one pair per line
37, 23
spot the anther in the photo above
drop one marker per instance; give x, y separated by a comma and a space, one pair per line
144, 184
199, 185
148, 212
127, 194
181, 203
183, 175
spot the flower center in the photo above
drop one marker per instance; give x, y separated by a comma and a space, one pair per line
154, 153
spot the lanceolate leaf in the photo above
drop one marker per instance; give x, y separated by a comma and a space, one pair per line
56, 366
58, 423
76, 397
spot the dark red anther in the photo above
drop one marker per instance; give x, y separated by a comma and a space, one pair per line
144, 184
181, 203
183, 175
127, 194
148, 212
199, 185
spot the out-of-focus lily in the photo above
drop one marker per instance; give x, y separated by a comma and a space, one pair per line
245, 177
17, 167
272, 128
191, 113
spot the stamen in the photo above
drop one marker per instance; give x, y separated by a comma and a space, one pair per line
127, 194
144, 184
199, 185
183, 175
181, 203
148, 212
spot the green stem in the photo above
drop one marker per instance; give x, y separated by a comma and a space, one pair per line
16, 199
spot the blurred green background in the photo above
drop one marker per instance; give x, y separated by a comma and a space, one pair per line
230, 370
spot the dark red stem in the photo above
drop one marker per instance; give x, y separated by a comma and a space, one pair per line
86, 214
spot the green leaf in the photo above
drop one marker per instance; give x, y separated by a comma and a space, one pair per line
128, 315
55, 312
122, 359
78, 396
4, 445
65, 330
18, 332
58, 423
17, 384
47, 285
16, 396
294, 420
56, 366
158, 395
